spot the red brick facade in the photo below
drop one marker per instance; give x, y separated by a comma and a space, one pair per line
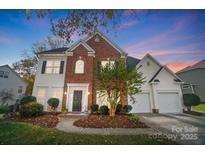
103, 51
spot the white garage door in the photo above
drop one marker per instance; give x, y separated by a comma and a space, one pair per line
169, 103
142, 103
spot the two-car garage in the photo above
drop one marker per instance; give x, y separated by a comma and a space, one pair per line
166, 102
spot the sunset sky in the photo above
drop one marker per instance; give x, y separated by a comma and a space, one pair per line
174, 37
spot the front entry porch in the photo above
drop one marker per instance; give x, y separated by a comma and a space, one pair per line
77, 97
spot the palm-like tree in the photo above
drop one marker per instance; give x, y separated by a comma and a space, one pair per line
117, 81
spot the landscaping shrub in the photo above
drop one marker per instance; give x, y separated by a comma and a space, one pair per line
134, 118
27, 99
94, 108
4, 109
53, 102
31, 109
191, 100
118, 108
127, 108
104, 110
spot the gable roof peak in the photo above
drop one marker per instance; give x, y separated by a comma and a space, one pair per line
80, 42
107, 40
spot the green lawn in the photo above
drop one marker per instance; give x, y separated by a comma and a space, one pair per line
22, 133
200, 107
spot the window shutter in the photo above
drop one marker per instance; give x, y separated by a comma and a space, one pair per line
43, 67
61, 67
98, 66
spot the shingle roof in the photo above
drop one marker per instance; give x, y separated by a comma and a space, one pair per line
132, 62
54, 51
156, 74
200, 64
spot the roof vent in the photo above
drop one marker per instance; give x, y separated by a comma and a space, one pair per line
177, 80
156, 80
97, 39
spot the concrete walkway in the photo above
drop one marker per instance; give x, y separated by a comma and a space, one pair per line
66, 124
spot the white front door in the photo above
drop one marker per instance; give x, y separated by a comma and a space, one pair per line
73, 99
142, 103
169, 102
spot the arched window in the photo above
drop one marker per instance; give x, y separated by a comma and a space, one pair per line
79, 67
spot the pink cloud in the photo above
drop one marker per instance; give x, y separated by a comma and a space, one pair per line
129, 23
182, 21
177, 66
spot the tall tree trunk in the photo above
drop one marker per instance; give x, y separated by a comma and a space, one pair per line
112, 111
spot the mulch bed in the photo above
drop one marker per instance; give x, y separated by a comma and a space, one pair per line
46, 120
105, 121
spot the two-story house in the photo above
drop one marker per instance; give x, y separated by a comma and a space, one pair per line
12, 83
194, 79
68, 74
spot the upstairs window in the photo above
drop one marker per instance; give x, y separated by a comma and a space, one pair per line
52, 67
4, 74
79, 67
105, 62
1, 73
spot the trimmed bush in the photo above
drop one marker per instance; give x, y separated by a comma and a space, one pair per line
135, 119
191, 100
31, 109
27, 99
94, 108
4, 109
104, 110
53, 102
118, 108
127, 108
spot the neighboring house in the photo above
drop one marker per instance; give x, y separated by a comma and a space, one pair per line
68, 74
11, 82
194, 79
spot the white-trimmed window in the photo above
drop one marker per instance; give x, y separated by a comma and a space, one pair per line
1, 73
185, 86
41, 94
105, 62
4, 74
53, 66
20, 89
57, 93
79, 67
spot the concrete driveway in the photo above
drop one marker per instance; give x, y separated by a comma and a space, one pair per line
183, 128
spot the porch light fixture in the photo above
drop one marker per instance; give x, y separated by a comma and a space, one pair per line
88, 93
65, 93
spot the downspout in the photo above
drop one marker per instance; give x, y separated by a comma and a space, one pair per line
192, 89
154, 110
